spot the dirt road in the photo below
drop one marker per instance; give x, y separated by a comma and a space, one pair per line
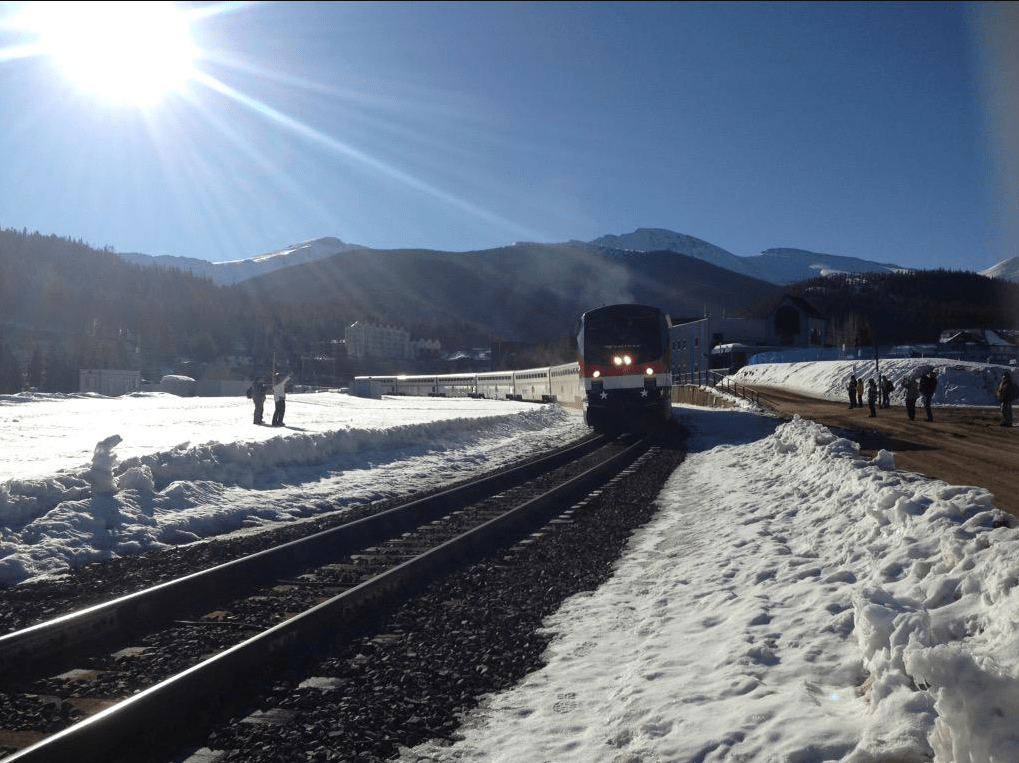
962, 446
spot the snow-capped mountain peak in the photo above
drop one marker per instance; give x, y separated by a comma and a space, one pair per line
235, 271
306, 251
662, 240
781, 266
1007, 270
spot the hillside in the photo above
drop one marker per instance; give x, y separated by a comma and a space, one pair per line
526, 292
224, 273
67, 306
1007, 270
778, 266
907, 308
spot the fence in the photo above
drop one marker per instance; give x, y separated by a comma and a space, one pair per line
719, 381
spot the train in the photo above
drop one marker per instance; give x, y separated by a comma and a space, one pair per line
624, 355
622, 379
552, 384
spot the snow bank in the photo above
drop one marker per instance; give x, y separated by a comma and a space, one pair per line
959, 382
253, 475
792, 600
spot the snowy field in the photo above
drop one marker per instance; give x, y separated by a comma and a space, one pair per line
792, 601
88, 478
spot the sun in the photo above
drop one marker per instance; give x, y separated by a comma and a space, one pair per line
130, 52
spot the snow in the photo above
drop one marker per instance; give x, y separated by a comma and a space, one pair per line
87, 478
791, 602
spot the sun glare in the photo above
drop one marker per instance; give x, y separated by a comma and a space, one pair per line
134, 52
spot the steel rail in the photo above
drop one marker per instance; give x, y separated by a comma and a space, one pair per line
153, 715
69, 635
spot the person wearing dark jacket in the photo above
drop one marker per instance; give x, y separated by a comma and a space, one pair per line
886, 392
1006, 394
852, 391
257, 394
912, 389
872, 397
928, 384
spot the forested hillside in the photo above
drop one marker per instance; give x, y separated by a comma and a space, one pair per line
914, 307
525, 292
67, 306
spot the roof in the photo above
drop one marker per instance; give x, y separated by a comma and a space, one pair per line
807, 308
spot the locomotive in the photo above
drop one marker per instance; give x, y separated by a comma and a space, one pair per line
624, 353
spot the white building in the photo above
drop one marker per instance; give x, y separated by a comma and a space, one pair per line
368, 340
108, 381
424, 349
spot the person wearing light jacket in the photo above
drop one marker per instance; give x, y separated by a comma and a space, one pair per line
279, 393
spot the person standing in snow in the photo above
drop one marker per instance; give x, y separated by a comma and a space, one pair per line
928, 384
859, 392
852, 391
886, 392
912, 388
257, 394
872, 397
279, 393
1006, 394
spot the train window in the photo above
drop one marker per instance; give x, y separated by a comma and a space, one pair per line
639, 333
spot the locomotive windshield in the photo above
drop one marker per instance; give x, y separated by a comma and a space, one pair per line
637, 330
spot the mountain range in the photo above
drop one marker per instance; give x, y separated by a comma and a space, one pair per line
778, 266
69, 306
524, 292
225, 273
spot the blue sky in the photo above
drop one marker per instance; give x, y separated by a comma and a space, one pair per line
859, 129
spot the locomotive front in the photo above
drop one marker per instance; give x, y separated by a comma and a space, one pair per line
626, 366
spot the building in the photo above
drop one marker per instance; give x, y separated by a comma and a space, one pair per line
726, 344
426, 349
980, 345
794, 322
691, 351
368, 340
108, 381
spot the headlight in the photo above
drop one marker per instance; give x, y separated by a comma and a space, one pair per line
649, 371
617, 360
596, 374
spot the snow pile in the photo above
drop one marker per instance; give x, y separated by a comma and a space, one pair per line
959, 382
792, 601
163, 478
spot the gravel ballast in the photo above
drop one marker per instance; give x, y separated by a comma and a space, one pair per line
477, 632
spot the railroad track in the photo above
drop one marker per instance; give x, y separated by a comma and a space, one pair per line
105, 683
